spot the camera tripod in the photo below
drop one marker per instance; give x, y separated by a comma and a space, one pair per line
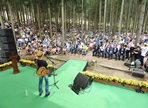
54, 75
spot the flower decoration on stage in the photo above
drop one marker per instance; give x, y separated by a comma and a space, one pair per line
24, 61
144, 84
116, 79
131, 82
5, 64
95, 75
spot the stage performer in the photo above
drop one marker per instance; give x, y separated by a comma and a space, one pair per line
40, 62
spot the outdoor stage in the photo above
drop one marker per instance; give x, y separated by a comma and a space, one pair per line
12, 91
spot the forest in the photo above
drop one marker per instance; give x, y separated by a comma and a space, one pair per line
106, 16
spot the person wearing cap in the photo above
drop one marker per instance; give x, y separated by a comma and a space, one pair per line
137, 55
40, 62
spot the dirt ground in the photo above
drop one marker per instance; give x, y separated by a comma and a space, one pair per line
101, 65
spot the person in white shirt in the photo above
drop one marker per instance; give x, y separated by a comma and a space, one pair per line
143, 53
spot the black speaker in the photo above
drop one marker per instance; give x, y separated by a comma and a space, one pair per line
138, 73
7, 45
5, 32
6, 39
80, 82
4, 53
4, 60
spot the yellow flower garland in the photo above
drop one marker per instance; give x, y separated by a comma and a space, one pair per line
116, 79
5, 64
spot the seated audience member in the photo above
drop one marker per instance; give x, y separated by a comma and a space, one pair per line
95, 50
101, 51
46, 51
64, 50
107, 51
110, 55
84, 49
121, 52
146, 62
115, 51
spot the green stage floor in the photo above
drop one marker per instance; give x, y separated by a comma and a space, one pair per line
12, 91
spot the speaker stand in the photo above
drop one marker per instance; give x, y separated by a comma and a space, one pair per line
14, 63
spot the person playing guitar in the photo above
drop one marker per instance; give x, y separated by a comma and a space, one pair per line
42, 73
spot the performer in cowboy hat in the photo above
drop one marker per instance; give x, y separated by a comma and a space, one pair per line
42, 63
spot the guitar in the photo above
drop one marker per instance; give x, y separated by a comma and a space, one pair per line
42, 71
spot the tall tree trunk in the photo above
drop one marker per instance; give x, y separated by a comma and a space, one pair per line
85, 20
100, 15
79, 19
18, 18
82, 22
104, 25
145, 23
38, 18
120, 22
12, 22
135, 14
23, 13
115, 29
113, 14
89, 21
19, 13
49, 10
1, 18
35, 15
124, 16
63, 38
32, 10
73, 19
140, 21
42, 17
128, 17
69, 19
27, 13
95, 19
56, 18
7, 12
2, 23
145, 19
107, 15
111, 17
65, 17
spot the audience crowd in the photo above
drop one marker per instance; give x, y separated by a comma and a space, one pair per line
101, 45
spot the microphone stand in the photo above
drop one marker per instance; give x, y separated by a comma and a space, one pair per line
55, 82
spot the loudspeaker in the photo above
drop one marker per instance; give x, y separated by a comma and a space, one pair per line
6, 39
138, 73
4, 53
5, 32
7, 45
4, 60
81, 82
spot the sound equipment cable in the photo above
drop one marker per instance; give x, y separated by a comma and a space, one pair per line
89, 87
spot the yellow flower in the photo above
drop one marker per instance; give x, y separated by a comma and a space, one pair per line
116, 79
